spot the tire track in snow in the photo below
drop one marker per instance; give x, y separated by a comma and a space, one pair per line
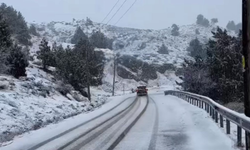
155, 130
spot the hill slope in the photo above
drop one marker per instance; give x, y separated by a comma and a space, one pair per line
136, 46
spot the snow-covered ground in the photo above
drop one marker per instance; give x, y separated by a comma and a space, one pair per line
34, 137
168, 122
172, 123
34, 102
184, 126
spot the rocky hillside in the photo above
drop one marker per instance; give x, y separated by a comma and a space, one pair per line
140, 56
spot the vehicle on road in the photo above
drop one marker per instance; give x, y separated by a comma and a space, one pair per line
142, 91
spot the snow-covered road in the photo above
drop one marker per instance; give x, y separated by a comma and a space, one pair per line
173, 124
167, 123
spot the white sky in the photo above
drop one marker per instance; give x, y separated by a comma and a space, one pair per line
146, 14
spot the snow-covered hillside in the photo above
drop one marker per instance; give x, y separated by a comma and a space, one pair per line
143, 45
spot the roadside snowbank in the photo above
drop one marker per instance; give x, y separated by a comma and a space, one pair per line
33, 102
32, 138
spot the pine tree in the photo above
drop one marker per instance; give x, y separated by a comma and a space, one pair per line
196, 78
5, 44
17, 25
99, 40
32, 30
23, 33
195, 49
5, 38
175, 30
201, 20
205, 22
231, 26
163, 49
13, 59
18, 61
197, 31
214, 20
224, 62
238, 27
78, 35
89, 22
45, 53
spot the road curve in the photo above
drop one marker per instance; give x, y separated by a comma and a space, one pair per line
102, 133
173, 124
143, 134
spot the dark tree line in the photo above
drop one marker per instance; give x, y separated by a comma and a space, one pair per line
17, 26
80, 66
216, 70
13, 59
97, 38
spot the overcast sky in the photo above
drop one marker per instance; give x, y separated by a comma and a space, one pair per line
146, 14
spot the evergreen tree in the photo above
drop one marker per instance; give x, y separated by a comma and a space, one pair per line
231, 26
197, 31
201, 20
214, 20
18, 61
45, 53
17, 25
13, 60
163, 49
110, 43
5, 38
196, 78
224, 62
195, 49
33, 31
22, 35
89, 22
238, 27
78, 35
175, 30
99, 40
5, 43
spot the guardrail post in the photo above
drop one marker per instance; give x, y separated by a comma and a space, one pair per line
247, 139
221, 121
210, 110
207, 108
213, 113
239, 136
216, 116
199, 103
228, 126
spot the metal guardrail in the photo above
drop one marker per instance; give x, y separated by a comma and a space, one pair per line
217, 112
